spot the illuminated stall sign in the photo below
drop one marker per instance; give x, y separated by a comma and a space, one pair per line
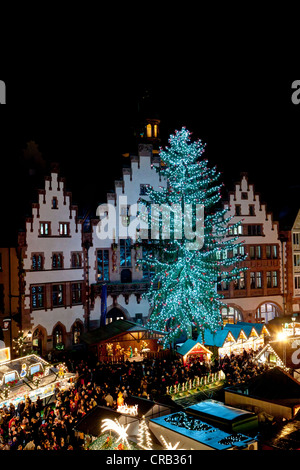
128, 410
4, 355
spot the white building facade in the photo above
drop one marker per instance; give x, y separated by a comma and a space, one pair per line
112, 260
53, 305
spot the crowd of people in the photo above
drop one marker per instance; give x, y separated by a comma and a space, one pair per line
31, 425
239, 368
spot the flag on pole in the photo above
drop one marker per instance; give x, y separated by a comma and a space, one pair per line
103, 305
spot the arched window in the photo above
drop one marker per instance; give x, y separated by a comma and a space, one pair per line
231, 315
76, 332
58, 337
266, 312
114, 314
149, 130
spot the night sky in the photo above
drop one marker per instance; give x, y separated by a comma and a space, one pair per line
248, 123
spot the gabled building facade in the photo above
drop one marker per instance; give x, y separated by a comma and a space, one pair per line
53, 269
258, 295
113, 260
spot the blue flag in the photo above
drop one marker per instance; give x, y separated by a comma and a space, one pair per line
103, 305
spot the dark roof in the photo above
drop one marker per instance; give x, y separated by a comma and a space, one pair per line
111, 330
145, 405
274, 385
92, 421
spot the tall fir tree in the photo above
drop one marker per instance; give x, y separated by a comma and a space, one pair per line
183, 294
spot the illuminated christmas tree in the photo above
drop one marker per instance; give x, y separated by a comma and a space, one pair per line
188, 248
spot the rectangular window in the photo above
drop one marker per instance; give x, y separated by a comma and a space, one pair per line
76, 293
37, 297
76, 260
148, 270
274, 279
57, 295
125, 215
269, 279
57, 261
255, 252
125, 252
64, 229
45, 229
296, 238
235, 230
240, 283
255, 280
143, 189
271, 251
237, 209
253, 230
251, 209
297, 259
297, 282
103, 265
37, 262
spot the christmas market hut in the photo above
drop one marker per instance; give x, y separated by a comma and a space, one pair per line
122, 340
191, 350
220, 343
274, 392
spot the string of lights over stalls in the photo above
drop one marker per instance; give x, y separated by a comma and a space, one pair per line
182, 293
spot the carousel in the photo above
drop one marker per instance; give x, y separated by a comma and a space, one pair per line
30, 377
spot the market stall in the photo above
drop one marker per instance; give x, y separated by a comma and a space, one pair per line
122, 340
193, 350
29, 376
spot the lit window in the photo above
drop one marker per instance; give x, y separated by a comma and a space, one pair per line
64, 229
37, 296
103, 265
44, 229
57, 261
125, 252
76, 260
37, 262
77, 293
155, 130
57, 295
149, 130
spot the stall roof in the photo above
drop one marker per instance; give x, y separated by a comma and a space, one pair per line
189, 345
91, 422
112, 330
246, 327
216, 339
273, 385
